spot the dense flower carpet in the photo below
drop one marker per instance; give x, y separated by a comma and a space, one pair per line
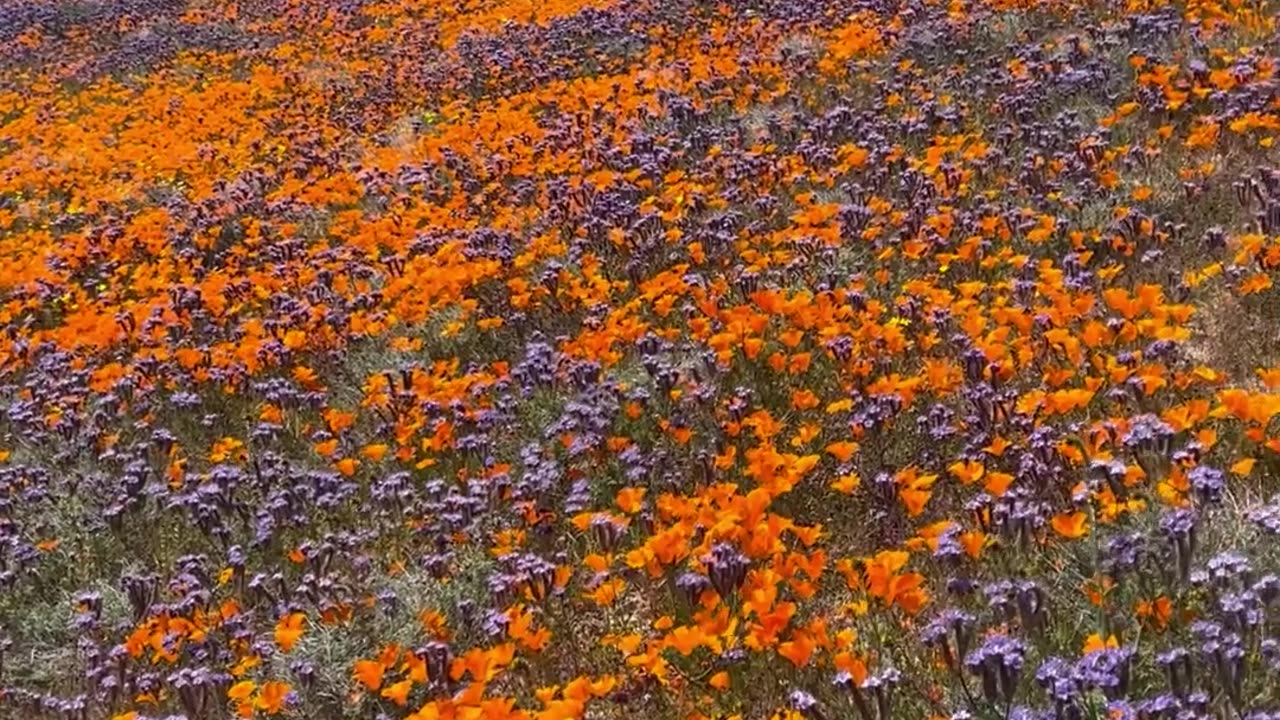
557, 359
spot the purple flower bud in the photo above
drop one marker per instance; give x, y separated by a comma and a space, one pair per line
727, 569
1106, 670
1177, 666
1207, 483
607, 532
1267, 516
691, 586
806, 705
998, 663
951, 633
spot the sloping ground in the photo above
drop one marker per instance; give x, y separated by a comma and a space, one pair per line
652, 358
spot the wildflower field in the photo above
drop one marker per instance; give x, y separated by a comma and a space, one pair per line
652, 359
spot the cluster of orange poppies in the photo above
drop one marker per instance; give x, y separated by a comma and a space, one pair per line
549, 360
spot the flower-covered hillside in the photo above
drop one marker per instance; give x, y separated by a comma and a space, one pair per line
536, 360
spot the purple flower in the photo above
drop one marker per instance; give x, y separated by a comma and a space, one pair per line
691, 586
1207, 483
1179, 526
727, 568
806, 705
1106, 670
1267, 516
998, 662
950, 632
